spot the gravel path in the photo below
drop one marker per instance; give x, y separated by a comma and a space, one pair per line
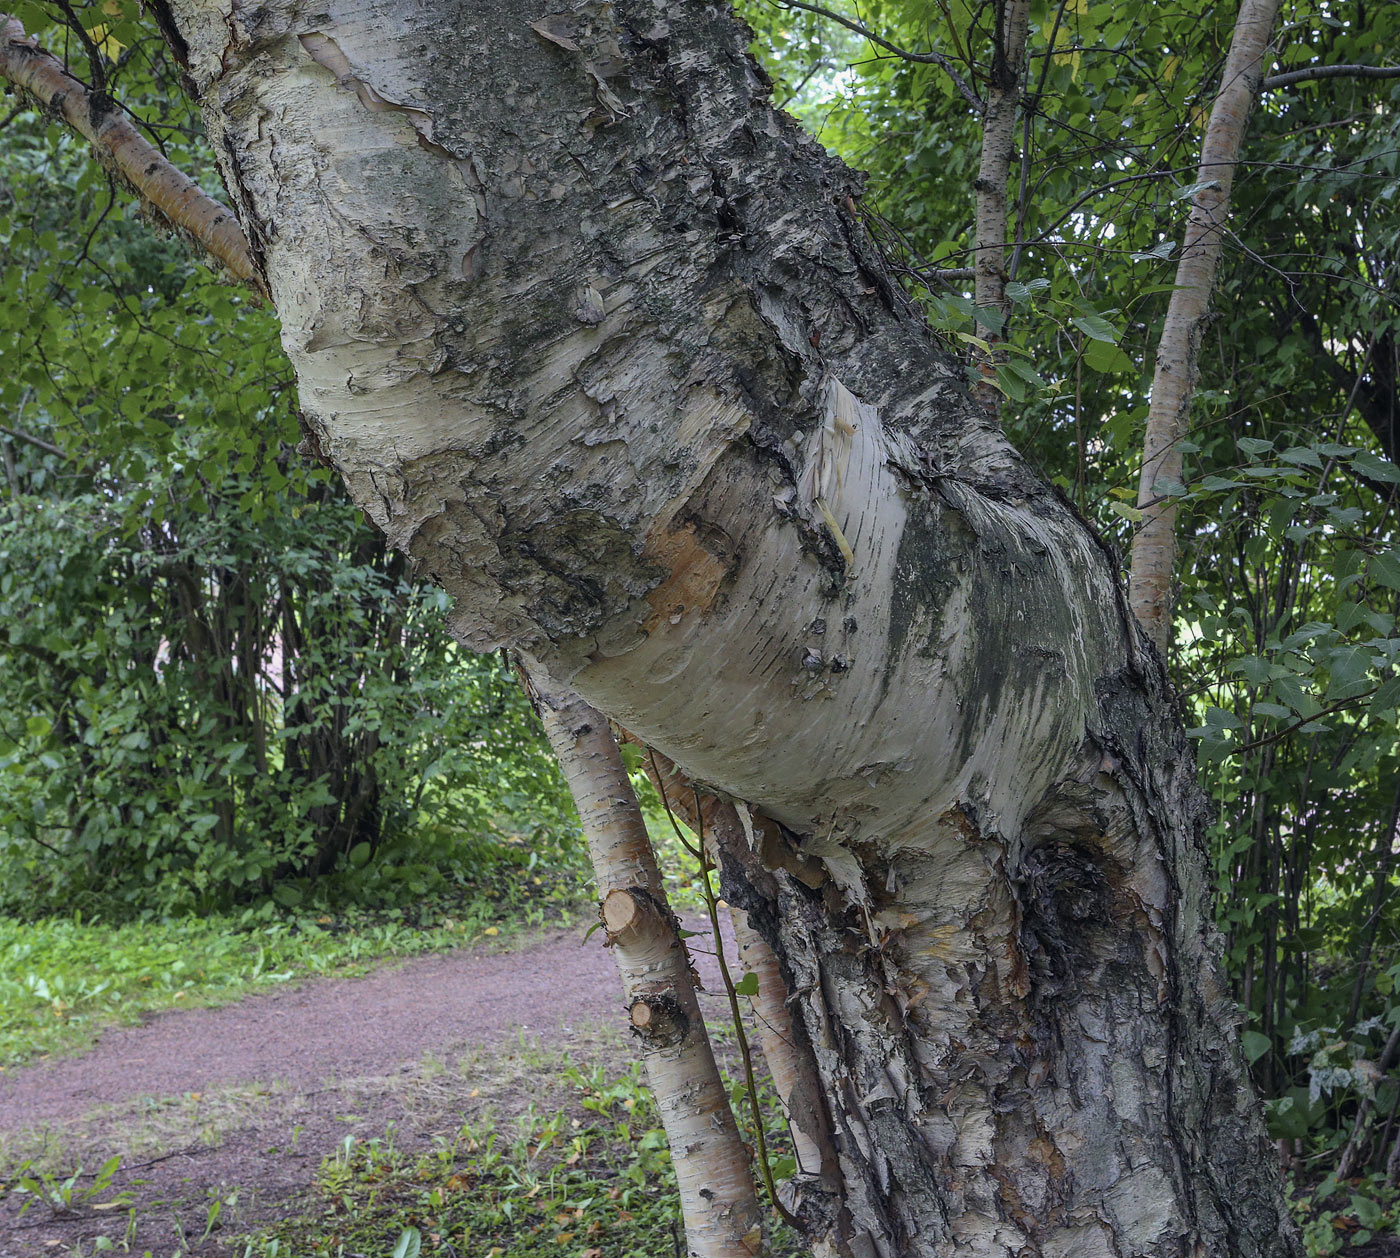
344, 1028
243, 1101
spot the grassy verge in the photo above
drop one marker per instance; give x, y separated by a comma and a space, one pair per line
590, 1180
62, 980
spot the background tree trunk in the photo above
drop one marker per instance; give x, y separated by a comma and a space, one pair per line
1174, 376
594, 335
722, 1218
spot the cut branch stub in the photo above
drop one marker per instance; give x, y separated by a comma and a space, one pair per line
622, 914
659, 1020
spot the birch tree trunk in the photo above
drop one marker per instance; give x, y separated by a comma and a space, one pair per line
722, 1218
591, 332
1174, 377
734, 838
998, 139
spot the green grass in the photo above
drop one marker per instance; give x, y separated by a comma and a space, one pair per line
62, 980
593, 1180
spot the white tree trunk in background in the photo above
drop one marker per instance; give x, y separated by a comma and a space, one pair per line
1174, 377
1004, 91
590, 332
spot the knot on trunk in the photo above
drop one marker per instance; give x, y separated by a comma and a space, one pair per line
659, 1021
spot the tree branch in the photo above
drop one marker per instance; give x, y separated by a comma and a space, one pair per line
920, 58
167, 190
19, 435
1308, 73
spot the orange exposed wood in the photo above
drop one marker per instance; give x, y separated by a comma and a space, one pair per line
695, 577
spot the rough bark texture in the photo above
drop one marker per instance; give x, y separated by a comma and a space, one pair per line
1174, 377
594, 335
722, 1218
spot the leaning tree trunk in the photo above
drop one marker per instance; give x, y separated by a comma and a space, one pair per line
593, 334
722, 1218
1174, 376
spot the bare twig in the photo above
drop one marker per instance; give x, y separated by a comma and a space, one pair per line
920, 58
1308, 73
96, 70
46, 446
1279, 735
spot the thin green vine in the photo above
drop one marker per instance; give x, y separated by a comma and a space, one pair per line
712, 906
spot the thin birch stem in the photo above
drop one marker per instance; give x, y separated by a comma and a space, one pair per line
718, 1202
1174, 379
121, 148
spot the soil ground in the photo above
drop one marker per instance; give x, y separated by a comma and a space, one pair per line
240, 1104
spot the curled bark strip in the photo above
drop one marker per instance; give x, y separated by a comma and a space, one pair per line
122, 149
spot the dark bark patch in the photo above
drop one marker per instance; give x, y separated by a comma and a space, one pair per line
576, 572
1063, 894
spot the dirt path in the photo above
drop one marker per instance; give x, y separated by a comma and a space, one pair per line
248, 1098
329, 1028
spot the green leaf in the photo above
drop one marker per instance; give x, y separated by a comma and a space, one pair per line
1255, 1045
1192, 188
359, 855
1387, 697
1160, 252
1376, 468
287, 894
1218, 718
747, 986
1254, 445
1096, 327
410, 1244
1103, 356
38, 726
1385, 568
1347, 671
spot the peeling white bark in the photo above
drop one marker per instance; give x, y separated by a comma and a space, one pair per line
590, 332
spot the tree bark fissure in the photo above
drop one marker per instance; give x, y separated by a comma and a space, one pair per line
593, 334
